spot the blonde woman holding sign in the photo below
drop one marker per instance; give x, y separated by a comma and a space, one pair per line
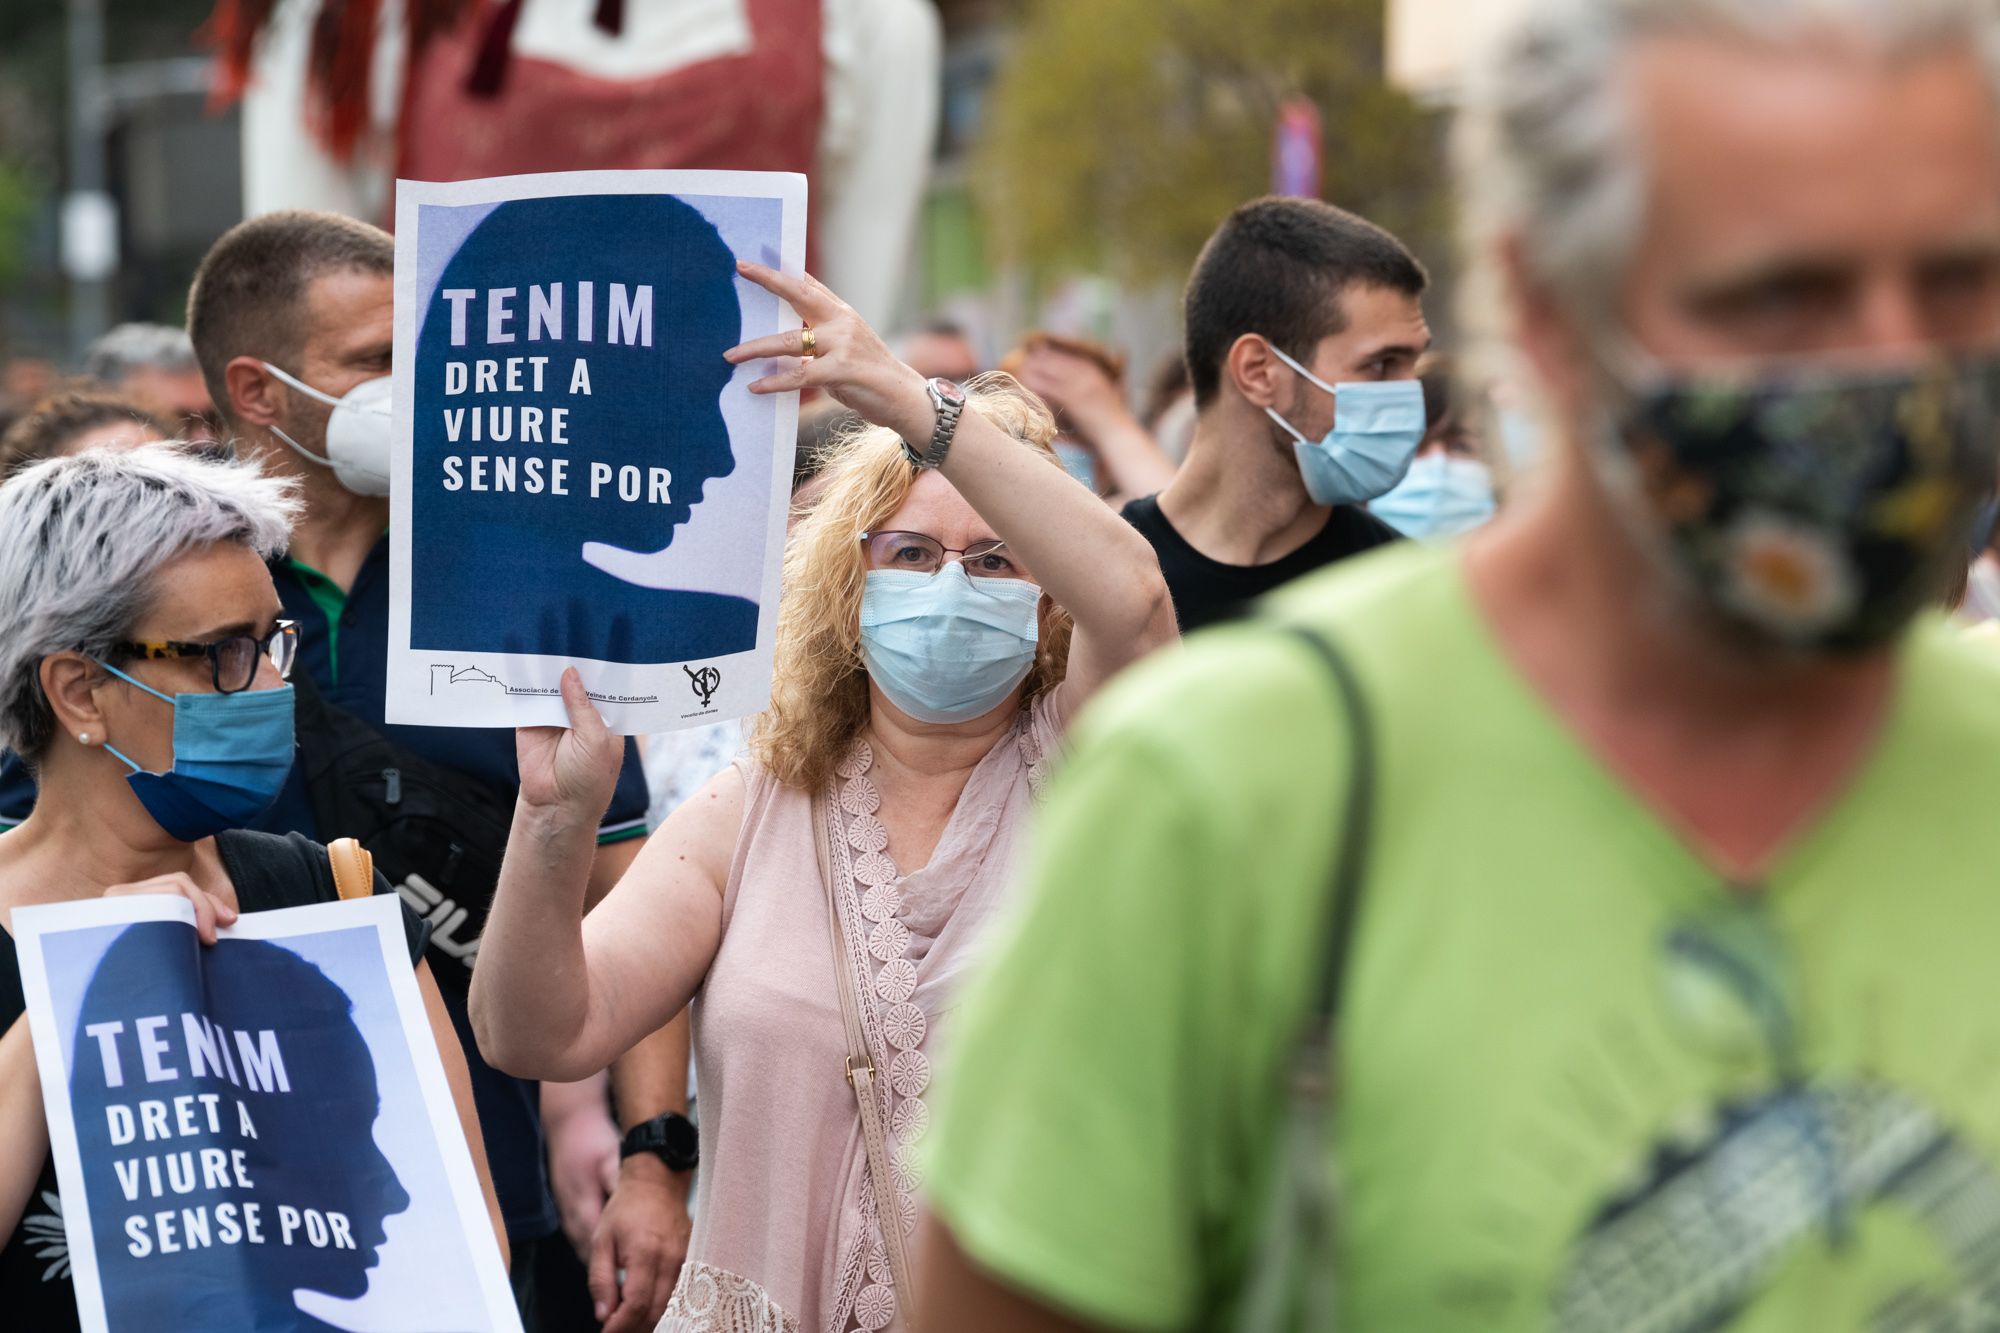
949, 602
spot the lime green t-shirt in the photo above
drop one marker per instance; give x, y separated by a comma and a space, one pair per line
1584, 1084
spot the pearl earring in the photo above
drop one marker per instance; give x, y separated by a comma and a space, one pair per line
83, 738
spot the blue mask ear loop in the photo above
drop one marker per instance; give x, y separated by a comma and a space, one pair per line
109, 747
1311, 379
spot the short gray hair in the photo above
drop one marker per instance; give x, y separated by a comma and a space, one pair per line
82, 540
1546, 147
131, 347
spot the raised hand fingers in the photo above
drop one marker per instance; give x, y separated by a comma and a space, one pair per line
584, 719
798, 376
776, 344
807, 295
210, 912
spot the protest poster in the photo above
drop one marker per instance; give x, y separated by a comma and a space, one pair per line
257, 1134
579, 478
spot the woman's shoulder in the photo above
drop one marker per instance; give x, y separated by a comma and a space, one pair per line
273, 870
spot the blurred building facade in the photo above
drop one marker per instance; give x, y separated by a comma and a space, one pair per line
135, 98
1431, 40
174, 171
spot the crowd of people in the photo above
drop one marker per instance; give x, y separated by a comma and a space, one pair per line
1542, 894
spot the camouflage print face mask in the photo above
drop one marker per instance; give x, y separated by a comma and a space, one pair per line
1817, 509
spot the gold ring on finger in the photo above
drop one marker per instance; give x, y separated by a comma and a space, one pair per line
808, 341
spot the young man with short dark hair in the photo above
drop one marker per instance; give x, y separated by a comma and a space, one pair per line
1299, 316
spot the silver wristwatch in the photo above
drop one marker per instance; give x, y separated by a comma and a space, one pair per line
949, 400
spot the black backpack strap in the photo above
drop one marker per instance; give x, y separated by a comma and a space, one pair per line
273, 870
1290, 1282
291, 870
1356, 827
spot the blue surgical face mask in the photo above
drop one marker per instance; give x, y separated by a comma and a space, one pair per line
1440, 497
1078, 461
1377, 426
942, 649
232, 753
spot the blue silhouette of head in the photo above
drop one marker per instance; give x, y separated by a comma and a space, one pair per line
314, 1146
649, 407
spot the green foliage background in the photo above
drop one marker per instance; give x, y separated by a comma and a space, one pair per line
1122, 131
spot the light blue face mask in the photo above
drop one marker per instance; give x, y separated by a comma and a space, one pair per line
1377, 426
232, 753
1440, 497
942, 649
1078, 461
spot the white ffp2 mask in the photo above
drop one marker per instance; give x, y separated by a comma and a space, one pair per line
358, 434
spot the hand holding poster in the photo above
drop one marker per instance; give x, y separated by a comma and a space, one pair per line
254, 1135
580, 479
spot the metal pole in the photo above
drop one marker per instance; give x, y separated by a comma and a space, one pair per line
89, 224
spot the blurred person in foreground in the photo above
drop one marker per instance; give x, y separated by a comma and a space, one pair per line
154, 365
71, 422
952, 597
1101, 443
1303, 325
1448, 490
136, 616
1978, 602
1663, 994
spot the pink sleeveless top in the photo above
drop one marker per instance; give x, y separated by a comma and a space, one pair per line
785, 1237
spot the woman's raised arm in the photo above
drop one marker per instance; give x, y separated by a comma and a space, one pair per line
556, 996
1093, 563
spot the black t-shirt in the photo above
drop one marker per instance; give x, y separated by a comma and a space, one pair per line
1206, 591
268, 872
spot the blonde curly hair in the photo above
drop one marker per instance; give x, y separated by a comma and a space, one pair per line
819, 693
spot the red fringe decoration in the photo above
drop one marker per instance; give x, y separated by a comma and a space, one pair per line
425, 19
339, 70
340, 64
231, 32
496, 49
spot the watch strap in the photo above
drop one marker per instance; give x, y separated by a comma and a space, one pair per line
671, 1137
949, 407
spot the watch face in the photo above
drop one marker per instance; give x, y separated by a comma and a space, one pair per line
672, 1137
679, 1138
948, 391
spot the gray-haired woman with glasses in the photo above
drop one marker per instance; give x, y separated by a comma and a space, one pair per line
142, 679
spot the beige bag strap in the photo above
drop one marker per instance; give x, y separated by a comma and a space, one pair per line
861, 1078
353, 868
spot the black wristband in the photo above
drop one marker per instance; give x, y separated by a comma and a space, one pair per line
671, 1137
